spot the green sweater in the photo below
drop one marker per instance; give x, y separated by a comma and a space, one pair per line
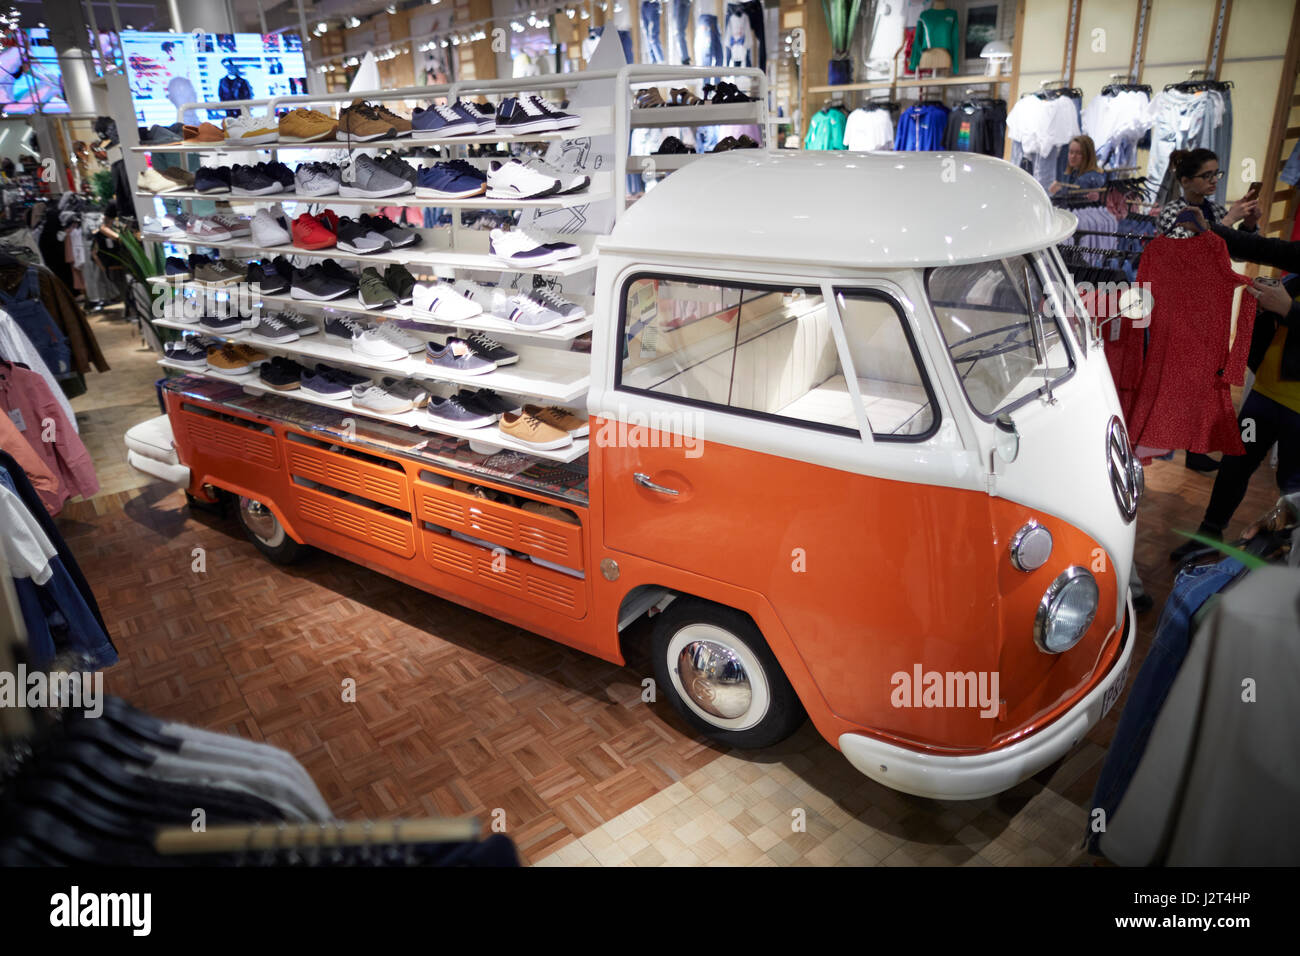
935, 28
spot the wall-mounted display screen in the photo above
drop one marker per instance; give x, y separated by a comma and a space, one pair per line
30, 76
167, 70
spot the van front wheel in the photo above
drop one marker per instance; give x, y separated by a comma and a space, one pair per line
267, 534
722, 677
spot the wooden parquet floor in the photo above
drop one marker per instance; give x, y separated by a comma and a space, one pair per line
457, 713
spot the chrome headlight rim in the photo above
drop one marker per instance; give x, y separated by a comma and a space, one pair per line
1031, 546
1050, 601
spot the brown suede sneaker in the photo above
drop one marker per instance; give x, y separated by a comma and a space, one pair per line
362, 123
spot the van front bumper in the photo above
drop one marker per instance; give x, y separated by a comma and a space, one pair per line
982, 775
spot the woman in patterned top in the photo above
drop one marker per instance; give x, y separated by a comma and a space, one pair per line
1198, 173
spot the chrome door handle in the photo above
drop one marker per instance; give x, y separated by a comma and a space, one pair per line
642, 479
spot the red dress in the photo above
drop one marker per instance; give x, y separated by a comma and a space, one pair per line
1183, 399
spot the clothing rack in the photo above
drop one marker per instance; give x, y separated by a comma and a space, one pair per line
1110, 89
1141, 236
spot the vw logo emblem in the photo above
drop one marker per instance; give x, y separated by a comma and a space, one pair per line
1125, 471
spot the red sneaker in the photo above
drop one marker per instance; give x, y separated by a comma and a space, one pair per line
309, 233
329, 219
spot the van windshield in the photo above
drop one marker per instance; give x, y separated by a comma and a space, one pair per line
986, 313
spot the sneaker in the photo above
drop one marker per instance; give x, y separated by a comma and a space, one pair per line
457, 356
282, 374
361, 123
365, 178
569, 311
316, 179
440, 122
226, 358
163, 135
306, 126
400, 337
376, 398
373, 292
416, 392
514, 180
452, 411
250, 354
564, 250
401, 282
489, 348
490, 400
273, 330
443, 181
221, 324
399, 237
221, 273
482, 115
251, 181
337, 272
398, 167
249, 130
181, 177
278, 172
524, 313
361, 338
561, 418
162, 228
401, 125
516, 246
267, 231
186, 352
205, 135
562, 119
309, 233
212, 179
533, 431
518, 115
342, 375
265, 276
354, 237
322, 382
312, 284
569, 182
442, 302
296, 322
237, 226
152, 181
176, 268
469, 400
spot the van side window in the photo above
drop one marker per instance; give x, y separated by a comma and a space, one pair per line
769, 351
895, 394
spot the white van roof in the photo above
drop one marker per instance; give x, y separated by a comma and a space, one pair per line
853, 210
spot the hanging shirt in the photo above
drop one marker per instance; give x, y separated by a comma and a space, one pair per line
867, 130
42, 479
922, 127
826, 130
1184, 400
936, 28
30, 405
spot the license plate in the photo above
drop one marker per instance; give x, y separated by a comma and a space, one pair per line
1115, 689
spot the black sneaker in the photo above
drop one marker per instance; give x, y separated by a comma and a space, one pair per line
354, 237
212, 179
279, 172
282, 374
336, 271
221, 324
398, 167
489, 399
398, 236
513, 116
251, 181
341, 375
373, 291
314, 285
268, 277
186, 352
489, 348
672, 146
397, 278
176, 268
283, 267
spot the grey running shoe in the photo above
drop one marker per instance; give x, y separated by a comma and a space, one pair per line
316, 179
296, 322
365, 178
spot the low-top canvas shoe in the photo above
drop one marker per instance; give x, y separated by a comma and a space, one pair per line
490, 400
561, 418
489, 348
282, 374
162, 135
152, 181
562, 119
186, 352
513, 180
376, 398
417, 392
400, 337
220, 273
533, 431
485, 120
316, 179
221, 324
207, 228
176, 268
457, 412
524, 313
365, 178
372, 343
249, 130
325, 382
237, 226
268, 231
181, 177
226, 358
568, 311
273, 330
569, 182
518, 247
161, 228
306, 126
519, 115
296, 322
457, 356
206, 135
212, 179
440, 301
440, 122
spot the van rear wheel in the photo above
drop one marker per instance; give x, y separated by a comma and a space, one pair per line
722, 677
267, 534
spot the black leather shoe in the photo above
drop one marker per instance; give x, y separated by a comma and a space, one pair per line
1198, 462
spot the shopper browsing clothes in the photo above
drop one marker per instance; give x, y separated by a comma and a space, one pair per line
1081, 167
1271, 410
1198, 173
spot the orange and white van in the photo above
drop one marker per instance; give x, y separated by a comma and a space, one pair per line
854, 444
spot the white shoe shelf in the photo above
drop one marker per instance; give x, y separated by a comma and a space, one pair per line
418, 418
593, 193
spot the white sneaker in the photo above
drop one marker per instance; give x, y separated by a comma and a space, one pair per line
479, 295
516, 247
379, 399
249, 130
373, 344
400, 337
526, 314
266, 231
514, 180
444, 302
569, 182
161, 228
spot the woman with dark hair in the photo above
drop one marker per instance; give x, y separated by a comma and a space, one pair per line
1198, 173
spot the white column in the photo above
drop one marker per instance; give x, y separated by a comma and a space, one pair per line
206, 15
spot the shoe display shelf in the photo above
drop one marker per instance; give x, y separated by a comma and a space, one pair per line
661, 162
552, 375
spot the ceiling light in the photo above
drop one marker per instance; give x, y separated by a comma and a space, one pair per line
391, 8
322, 27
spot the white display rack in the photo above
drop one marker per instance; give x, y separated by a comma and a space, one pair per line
488, 435
544, 371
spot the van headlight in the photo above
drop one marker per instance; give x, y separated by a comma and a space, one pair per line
1066, 610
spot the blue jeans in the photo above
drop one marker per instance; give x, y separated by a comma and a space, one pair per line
679, 33
654, 51
1153, 682
708, 41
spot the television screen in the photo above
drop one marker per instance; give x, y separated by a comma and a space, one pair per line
30, 73
166, 70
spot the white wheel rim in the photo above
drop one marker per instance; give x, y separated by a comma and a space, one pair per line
261, 522
715, 638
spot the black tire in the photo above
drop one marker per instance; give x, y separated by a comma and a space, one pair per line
773, 711
217, 507
267, 534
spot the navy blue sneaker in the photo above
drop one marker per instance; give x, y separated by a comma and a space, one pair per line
485, 122
444, 181
321, 383
440, 122
176, 268
212, 179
